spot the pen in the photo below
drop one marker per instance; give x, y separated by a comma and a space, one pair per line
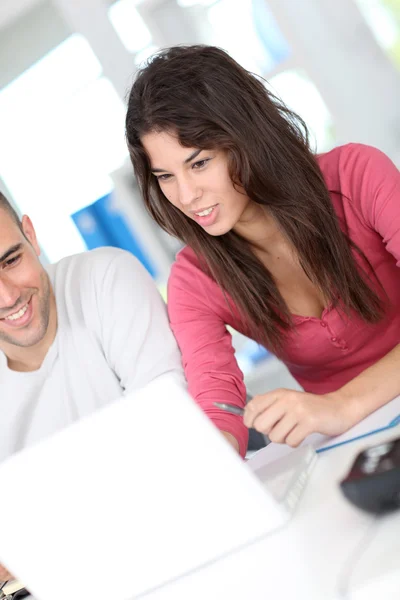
2, 584
231, 408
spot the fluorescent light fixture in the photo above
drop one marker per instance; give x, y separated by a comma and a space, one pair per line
129, 25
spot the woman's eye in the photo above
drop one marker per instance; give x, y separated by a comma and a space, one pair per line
200, 163
163, 177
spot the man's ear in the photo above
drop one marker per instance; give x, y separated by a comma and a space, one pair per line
30, 234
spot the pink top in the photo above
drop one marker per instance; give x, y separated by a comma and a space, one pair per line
321, 354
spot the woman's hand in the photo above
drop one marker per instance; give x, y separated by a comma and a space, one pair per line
4, 574
289, 416
232, 440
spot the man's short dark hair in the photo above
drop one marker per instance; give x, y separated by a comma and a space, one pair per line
6, 205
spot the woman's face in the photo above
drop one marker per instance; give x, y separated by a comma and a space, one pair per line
197, 182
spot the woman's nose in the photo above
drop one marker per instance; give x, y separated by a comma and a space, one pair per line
188, 191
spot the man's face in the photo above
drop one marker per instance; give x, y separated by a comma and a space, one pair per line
25, 292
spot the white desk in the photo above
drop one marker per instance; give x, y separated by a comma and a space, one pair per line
306, 559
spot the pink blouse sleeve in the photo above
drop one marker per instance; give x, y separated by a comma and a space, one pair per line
375, 181
208, 357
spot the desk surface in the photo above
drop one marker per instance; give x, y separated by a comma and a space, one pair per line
307, 559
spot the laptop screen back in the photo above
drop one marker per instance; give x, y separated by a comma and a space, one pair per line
97, 512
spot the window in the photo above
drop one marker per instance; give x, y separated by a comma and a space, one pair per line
132, 29
383, 17
300, 94
57, 148
260, 45
262, 49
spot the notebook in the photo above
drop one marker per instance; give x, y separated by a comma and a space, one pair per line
99, 512
12, 590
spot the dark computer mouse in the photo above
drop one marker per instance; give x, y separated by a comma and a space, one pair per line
373, 482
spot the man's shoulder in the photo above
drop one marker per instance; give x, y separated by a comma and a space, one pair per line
98, 280
93, 263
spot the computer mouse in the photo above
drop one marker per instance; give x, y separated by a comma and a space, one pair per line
373, 482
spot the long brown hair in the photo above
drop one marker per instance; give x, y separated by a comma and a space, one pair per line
207, 99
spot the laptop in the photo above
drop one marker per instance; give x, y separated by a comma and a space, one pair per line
96, 511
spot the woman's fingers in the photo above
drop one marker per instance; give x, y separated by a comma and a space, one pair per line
296, 436
267, 420
258, 405
280, 432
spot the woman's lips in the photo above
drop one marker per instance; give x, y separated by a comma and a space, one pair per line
208, 219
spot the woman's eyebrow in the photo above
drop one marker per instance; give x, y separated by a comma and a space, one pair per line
187, 160
192, 156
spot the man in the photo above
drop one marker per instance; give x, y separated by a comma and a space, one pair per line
74, 336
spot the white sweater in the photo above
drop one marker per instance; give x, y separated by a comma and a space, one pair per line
113, 337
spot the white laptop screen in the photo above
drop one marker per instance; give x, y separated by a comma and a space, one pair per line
124, 517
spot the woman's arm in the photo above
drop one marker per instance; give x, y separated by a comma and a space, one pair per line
232, 440
373, 388
208, 356
289, 416
4, 574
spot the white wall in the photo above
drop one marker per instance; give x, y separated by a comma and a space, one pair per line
27, 38
357, 80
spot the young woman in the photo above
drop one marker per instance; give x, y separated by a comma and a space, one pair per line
297, 251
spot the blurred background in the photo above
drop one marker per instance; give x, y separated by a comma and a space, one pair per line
66, 67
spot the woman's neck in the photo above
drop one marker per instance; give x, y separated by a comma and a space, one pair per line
259, 228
